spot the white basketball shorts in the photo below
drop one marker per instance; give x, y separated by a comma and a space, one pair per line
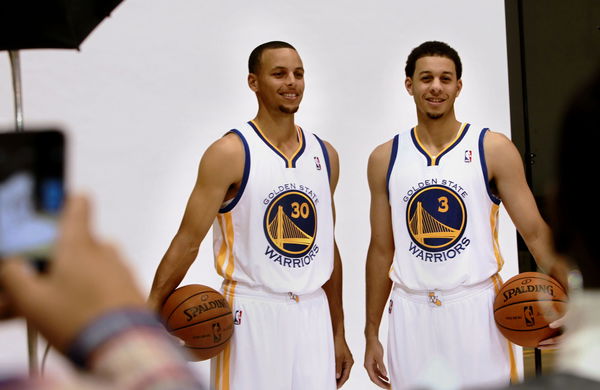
447, 339
280, 342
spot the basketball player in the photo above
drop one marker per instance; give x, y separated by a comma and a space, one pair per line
435, 194
267, 188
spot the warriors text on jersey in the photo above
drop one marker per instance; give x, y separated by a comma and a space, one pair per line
277, 233
444, 215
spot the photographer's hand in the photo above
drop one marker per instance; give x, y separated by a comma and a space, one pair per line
86, 278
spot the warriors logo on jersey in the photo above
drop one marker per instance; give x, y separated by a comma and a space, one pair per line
290, 223
436, 219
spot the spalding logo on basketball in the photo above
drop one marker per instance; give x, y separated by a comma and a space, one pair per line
526, 304
201, 317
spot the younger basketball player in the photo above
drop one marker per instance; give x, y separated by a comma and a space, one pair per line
267, 188
435, 194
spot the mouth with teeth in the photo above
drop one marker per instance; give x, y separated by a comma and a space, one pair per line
435, 100
290, 95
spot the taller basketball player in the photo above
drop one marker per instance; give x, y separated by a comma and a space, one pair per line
435, 195
267, 189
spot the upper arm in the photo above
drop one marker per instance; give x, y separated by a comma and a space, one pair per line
334, 165
219, 174
506, 171
380, 212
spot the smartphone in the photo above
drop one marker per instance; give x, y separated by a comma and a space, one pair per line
32, 190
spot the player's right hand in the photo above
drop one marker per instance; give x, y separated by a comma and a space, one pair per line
374, 364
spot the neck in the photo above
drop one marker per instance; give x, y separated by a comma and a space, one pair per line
436, 134
277, 128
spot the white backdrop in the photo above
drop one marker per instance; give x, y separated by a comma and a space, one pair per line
160, 80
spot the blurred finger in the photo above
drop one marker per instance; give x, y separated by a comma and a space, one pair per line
75, 221
559, 323
551, 343
6, 309
18, 280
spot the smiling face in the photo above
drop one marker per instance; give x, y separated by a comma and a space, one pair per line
279, 81
434, 86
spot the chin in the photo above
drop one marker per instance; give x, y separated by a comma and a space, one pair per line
289, 110
434, 116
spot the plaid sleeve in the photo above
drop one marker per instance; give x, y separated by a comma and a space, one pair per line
130, 349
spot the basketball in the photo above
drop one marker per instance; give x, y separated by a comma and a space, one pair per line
201, 317
526, 304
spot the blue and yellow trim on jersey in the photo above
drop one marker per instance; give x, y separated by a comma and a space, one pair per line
493, 197
289, 161
231, 204
393, 155
435, 160
514, 373
325, 155
225, 265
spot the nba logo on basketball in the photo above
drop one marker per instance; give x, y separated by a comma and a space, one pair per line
317, 163
468, 156
529, 318
237, 317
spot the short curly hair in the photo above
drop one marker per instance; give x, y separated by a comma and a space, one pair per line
254, 59
432, 48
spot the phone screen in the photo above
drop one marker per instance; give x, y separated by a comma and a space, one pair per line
31, 192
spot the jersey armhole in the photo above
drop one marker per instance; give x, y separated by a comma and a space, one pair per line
325, 155
232, 202
392, 161
484, 169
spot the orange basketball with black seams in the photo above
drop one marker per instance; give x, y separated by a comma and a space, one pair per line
526, 304
201, 317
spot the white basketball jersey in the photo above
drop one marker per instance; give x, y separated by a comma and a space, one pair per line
277, 233
444, 216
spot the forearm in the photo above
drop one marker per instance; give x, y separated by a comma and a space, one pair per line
333, 290
378, 287
172, 269
541, 246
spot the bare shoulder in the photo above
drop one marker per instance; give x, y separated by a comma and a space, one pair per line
499, 145
494, 139
333, 154
379, 161
380, 156
225, 157
501, 154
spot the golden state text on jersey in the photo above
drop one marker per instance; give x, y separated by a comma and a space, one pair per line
290, 226
436, 219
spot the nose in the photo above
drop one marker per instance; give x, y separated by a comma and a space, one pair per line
290, 79
436, 85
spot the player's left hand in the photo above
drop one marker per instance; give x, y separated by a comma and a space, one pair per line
553, 342
343, 360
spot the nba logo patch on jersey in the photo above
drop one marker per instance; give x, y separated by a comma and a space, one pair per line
237, 317
317, 163
468, 156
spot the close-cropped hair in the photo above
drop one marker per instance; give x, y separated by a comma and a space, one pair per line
254, 59
436, 49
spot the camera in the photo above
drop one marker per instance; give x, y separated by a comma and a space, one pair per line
32, 166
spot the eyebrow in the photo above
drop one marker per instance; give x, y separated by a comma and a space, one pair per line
428, 71
285, 67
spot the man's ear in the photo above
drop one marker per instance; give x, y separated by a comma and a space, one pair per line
253, 82
408, 83
459, 83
